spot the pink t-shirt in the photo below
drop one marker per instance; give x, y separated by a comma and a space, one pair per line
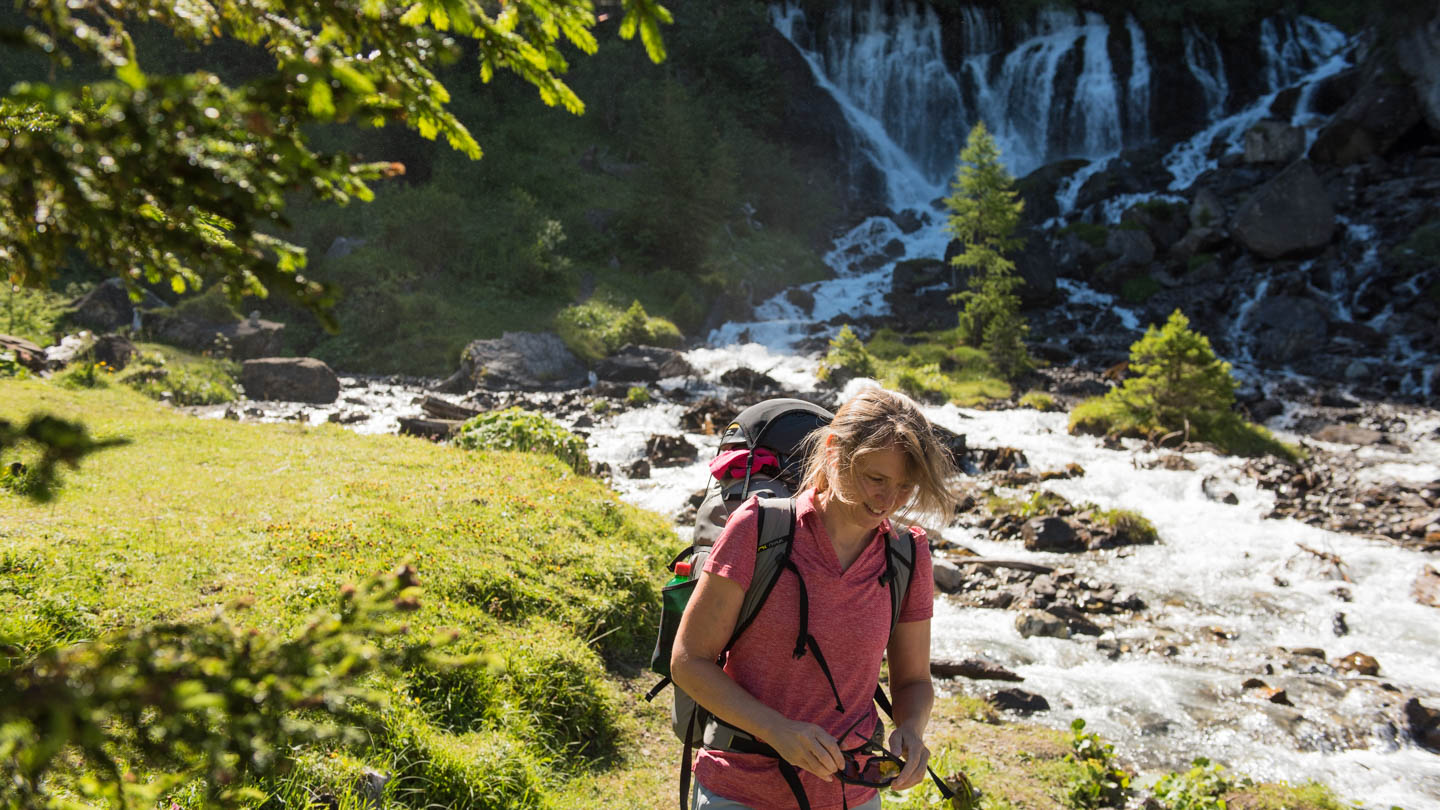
849, 618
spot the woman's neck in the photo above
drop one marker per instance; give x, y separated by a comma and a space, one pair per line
846, 537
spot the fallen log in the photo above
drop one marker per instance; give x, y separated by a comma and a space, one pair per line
434, 429
1018, 565
438, 408
973, 668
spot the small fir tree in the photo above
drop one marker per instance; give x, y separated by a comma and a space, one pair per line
984, 215
1181, 384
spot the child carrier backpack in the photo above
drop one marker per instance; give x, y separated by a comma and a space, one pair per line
761, 452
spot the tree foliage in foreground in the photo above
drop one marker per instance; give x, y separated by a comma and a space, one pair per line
984, 215
211, 699
1180, 391
182, 180
56, 441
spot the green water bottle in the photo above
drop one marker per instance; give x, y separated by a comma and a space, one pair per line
682, 574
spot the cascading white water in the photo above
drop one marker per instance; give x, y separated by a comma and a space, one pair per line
1203, 60
1138, 117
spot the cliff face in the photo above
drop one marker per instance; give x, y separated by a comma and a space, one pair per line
1277, 182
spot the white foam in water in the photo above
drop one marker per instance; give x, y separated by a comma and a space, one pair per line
1078, 292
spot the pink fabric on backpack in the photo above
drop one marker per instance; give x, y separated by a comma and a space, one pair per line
731, 463
849, 616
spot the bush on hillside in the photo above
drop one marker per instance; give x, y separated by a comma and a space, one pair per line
1040, 401
523, 431
1181, 391
165, 373
596, 329
847, 359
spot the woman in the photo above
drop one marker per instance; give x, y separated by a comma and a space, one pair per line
879, 457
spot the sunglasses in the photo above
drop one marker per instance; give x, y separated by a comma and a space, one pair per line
869, 764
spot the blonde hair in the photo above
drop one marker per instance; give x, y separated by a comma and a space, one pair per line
873, 421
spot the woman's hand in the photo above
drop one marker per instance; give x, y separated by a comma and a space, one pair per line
807, 746
907, 744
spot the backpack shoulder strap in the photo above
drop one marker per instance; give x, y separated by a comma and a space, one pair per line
899, 568
774, 534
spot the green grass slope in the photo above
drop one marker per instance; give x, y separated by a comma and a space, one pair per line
544, 571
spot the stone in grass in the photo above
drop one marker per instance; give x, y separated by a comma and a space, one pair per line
290, 379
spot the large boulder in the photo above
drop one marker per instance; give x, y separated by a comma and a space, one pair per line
1051, 534
253, 337
642, 364
1291, 215
1274, 142
1130, 247
108, 307
1423, 723
1380, 113
1418, 54
290, 379
115, 351
1287, 328
521, 361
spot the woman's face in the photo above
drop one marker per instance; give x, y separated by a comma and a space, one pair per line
879, 485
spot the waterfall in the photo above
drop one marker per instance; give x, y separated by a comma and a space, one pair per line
1138, 89
1203, 60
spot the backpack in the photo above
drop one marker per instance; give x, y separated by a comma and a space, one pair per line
779, 427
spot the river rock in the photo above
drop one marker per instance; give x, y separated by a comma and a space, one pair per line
1423, 723
1426, 589
1019, 700
1287, 328
1274, 142
1207, 210
1291, 215
948, 576
664, 450
290, 379
979, 669
1051, 534
1040, 623
26, 353
1349, 434
642, 364
1418, 54
1359, 663
1129, 247
520, 361
748, 379
67, 350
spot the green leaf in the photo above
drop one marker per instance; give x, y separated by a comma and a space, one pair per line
414, 16
354, 80
322, 100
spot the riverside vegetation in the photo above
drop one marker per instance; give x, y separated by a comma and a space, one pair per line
542, 585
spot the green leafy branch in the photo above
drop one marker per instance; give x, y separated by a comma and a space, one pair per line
213, 699
57, 441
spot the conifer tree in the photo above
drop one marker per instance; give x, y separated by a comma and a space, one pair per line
984, 214
1181, 384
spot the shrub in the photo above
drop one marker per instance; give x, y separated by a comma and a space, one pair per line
1138, 290
1199, 788
1040, 401
524, 431
10, 367
33, 314
847, 359
1092, 234
1131, 527
1102, 783
1198, 261
184, 379
637, 395
596, 329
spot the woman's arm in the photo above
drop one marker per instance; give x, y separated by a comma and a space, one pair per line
705, 628
912, 696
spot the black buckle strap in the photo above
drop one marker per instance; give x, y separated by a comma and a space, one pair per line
804, 640
655, 690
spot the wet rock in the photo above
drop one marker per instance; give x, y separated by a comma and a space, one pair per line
1417, 53
1426, 589
1075, 621
642, 364
1216, 490
1358, 663
1051, 534
948, 576
1423, 724
290, 379
1019, 700
1339, 625
980, 669
640, 469
665, 450
1273, 142
1291, 215
26, 353
1207, 210
1287, 328
708, 416
521, 361
1129, 247
749, 379
1379, 114
1349, 434
1040, 623
1000, 458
